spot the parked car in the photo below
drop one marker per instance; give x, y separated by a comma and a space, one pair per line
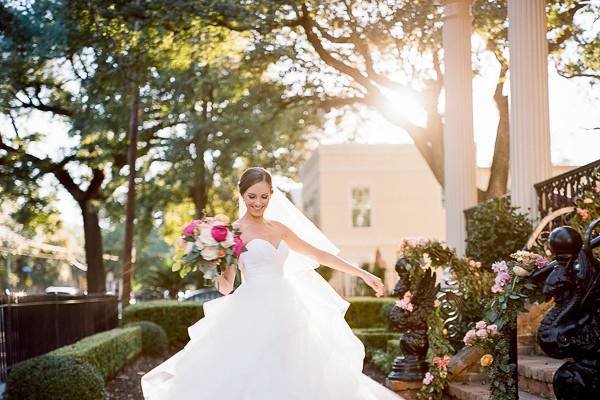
201, 295
68, 290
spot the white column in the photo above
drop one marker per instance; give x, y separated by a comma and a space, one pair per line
459, 146
529, 120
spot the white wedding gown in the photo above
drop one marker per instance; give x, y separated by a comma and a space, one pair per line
266, 341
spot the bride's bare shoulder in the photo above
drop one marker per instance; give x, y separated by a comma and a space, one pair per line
283, 229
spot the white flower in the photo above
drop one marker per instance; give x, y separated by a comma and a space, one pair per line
199, 244
189, 246
229, 241
520, 271
210, 253
206, 237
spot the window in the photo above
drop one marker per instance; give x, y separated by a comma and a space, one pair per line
361, 207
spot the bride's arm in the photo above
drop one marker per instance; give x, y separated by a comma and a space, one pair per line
330, 260
225, 280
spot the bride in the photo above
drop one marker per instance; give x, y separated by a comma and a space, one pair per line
281, 335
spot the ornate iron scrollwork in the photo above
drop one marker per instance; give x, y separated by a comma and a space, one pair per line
571, 329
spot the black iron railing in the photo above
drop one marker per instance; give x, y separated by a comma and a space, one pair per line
37, 324
562, 190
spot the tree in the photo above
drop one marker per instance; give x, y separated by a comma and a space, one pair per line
63, 61
376, 50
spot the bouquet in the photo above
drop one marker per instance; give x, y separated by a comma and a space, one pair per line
209, 245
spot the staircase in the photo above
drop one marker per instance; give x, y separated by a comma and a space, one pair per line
535, 381
536, 371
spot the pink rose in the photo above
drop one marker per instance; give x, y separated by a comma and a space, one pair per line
219, 232
237, 246
189, 230
468, 339
480, 325
482, 333
492, 329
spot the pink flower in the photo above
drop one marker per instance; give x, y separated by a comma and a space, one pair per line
583, 213
219, 232
499, 266
597, 188
190, 228
497, 289
237, 246
442, 363
428, 378
480, 325
482, 333
493, 329
469, 336
405, 304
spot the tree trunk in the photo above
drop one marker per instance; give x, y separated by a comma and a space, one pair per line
130, 211
199, 188
93, 248
498, 183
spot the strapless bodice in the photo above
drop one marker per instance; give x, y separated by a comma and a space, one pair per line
263, 260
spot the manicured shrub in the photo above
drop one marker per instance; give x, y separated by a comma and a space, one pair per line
365, 312
52, 377
496, 230
107, 352
154, 338
375, 338
174, 317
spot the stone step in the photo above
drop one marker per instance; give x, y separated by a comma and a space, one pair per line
536, 374
479, 391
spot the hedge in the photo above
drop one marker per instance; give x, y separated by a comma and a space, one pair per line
52, 377
366, 312
107, 352
154, 337
375, 338
173, 316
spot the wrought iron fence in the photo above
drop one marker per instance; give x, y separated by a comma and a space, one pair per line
36, 324
562, 190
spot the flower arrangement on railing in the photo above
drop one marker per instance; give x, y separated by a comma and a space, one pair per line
473, 284
511, 289
438, 357
472, 281
587, 209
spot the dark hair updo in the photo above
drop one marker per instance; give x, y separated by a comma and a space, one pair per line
252, 176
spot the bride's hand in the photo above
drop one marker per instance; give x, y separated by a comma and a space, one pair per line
374, 282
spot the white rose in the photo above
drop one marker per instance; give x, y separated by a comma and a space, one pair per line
228, 242
199, 244
206, 237
210, 253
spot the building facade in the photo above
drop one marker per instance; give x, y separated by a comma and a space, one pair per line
366, 197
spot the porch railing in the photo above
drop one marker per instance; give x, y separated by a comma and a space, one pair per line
562, 190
